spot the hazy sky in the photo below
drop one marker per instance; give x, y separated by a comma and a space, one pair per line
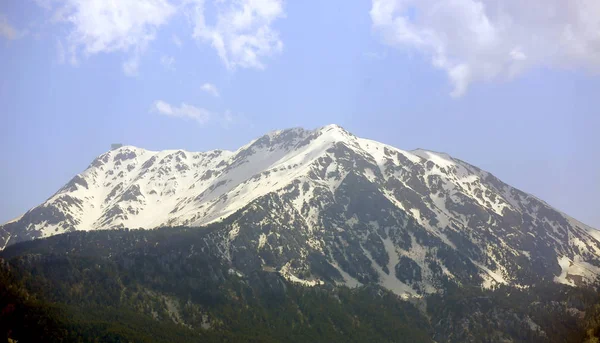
511, 86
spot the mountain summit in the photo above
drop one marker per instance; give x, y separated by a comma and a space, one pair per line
325, 206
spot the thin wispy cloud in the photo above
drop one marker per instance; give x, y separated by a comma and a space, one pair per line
375, 56
485, 40
177, 41
243, 34
198, 114
7, 30
60, 52
229, 120
228, 117
210, 89
65, 54
132, 63
168, 62
184, 111
131, 66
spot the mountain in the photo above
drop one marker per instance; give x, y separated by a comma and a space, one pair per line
174, 284
169, 284
327, 207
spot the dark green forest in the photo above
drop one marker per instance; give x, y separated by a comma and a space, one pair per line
170, 285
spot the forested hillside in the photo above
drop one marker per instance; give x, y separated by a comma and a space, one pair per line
166, 285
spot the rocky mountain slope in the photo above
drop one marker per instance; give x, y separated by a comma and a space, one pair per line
325, 206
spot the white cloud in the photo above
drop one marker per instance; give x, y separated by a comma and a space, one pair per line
242, 33
483, 40
210, 89
101, 26
168, 62
200, 115
6, 30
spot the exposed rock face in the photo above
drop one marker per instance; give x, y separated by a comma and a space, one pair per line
325, 206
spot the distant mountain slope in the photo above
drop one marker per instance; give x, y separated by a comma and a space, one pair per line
325, 206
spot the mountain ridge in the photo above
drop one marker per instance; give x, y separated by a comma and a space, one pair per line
296, 195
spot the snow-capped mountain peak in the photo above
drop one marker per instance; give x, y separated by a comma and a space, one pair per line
327, 206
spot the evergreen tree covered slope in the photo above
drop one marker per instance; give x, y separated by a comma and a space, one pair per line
166, 285
173, 284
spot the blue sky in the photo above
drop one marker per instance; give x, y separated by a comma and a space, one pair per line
518, 100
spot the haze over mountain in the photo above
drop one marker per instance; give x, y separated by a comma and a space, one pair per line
325, 206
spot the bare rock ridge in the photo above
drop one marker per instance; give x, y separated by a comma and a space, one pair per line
325, 206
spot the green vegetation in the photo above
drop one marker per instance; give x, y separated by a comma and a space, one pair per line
172, 285
71, 288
